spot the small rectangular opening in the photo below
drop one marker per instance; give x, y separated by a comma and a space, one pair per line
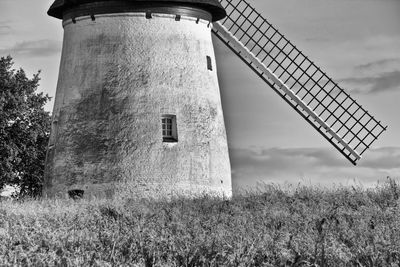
76, 194
209, 63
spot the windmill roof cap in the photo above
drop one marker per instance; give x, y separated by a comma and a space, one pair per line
213, 7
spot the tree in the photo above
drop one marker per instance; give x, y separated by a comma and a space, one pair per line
24, 130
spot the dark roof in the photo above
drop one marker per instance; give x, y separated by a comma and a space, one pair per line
212, 6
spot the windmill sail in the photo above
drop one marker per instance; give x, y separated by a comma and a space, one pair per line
302, 84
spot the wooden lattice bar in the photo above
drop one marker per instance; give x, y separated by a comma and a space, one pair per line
298, 80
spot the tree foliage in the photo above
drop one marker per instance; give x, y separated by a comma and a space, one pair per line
24, 129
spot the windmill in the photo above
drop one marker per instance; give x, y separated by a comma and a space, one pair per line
138, 104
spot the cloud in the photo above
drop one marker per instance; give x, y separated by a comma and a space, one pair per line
387, 158
39, 48
273, 160
375, 77
5, 27
318, 39
323, 166
379, 64
385, 81
277, 158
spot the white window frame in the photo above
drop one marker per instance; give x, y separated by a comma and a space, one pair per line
169, 130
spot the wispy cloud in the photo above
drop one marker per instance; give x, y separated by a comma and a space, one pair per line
368, 85
38, 48
278, 158
379, 64
5, 27
375, 77
387, 158
315, 165
318, 40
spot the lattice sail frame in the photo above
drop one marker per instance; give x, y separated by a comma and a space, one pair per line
302, 84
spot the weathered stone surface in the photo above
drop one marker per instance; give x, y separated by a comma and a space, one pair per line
118, 75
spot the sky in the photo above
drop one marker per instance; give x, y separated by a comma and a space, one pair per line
356, 42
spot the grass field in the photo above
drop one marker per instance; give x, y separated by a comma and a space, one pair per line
304, 226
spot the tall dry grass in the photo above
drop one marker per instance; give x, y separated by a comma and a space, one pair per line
305, 226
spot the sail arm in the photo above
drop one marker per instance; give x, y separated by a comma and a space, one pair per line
275, 83
302, 84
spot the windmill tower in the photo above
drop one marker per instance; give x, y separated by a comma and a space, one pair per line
138, 98
137, 102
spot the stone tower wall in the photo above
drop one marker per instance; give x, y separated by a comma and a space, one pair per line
118, 75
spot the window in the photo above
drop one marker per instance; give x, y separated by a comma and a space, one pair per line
209, 64
76, 194
169, 129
